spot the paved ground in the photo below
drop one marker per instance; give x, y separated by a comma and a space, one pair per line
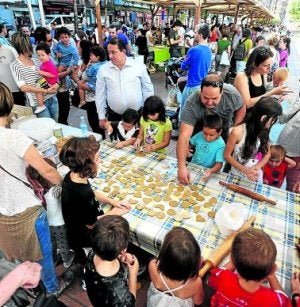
75, 296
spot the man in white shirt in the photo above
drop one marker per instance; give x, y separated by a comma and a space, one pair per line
122, 83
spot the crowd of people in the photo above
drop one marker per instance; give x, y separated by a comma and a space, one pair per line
222, 127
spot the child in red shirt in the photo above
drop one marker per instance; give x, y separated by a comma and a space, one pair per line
253, 255
275, 169
47, 70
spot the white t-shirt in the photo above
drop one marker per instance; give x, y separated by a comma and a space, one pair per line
54, 213
15, 196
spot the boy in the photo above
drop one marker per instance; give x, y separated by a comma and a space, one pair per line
275, 169
210, 146
253, 255
106, 275
125, 131
66, 53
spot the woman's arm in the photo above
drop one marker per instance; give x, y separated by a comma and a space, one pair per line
26, 88
291, 163
242, 85
163, 144
33, 158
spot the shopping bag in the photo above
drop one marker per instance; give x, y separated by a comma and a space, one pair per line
225, 58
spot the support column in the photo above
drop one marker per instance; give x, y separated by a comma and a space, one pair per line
99, 22
236, 13
198, 12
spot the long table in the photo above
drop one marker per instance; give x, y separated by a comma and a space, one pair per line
123, 173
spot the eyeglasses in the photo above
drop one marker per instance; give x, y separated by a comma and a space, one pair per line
212, 83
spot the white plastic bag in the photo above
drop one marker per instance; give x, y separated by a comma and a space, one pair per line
230, 217
225, 58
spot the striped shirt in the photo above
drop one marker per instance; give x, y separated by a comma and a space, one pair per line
23, 74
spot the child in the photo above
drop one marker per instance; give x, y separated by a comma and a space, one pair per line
253, 255
50, 196
247, 148
106, 271
125, 131
209, 145
80, 204
47, 70
295, 288
174, 274
284, 51
275, 169
156, 129
66, 54
280, 76
97, 58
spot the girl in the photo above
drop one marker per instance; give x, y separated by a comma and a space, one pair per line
50, 195
156, 129
80, 204
48, 73
284, 51
247, 148
97, 58
180, 286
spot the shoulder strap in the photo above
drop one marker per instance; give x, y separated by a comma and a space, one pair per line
26, 183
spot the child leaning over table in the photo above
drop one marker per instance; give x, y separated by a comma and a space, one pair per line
111, 273
51, 197
80, 203
156, 128
253, 256
174, 274
276, 167
209, 145
124, 131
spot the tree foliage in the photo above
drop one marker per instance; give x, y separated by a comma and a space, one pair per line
294, 10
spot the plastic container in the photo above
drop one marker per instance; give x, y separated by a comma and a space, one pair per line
230, 217
83, 127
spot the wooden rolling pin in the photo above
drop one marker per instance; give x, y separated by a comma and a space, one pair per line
223, 250
246, 192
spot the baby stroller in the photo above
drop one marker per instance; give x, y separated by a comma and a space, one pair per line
173, 71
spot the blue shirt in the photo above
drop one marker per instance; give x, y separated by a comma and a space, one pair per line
207, 153
4, 41
198, 63
91, 73
68, 53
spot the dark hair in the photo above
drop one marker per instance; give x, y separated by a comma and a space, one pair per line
154, 104
253, 254
213, 121
269, 108
63, 30
287, 41
117, 42
39, 34
212, 80
2, 26
177, 23
99, 52
259, 38
78, 154
258, 56
179, 255
85, 46
110, 235
246, 33
130, 116
204, 31
43, 46
6, 100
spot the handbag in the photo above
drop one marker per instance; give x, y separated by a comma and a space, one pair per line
225, 58
25, 183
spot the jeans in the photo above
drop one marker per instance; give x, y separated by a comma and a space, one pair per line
51, 110
48, 274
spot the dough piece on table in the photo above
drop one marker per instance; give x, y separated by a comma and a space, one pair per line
200, 218
171, 212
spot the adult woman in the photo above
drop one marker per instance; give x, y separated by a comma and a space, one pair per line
24, 230
251, 82
90, 107
284, 51
24, 70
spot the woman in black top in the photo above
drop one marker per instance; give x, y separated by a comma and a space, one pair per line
251, 82
141, 43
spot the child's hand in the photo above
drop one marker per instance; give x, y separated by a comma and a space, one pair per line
147, 148
206, 175
52, 89
137, 144
58, 54
133, 267
120, 145
122, 204
127, 258
252, 173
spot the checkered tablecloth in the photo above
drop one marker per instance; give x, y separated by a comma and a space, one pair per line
281, 222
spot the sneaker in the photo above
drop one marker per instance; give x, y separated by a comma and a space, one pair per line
68, 263
83, 285
39, 109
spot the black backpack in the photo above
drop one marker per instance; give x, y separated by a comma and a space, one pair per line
240, 51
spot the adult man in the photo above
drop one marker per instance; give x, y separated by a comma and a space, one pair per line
3, 34
25, 30
115, 32
214, 97
247, 42
122, 83
197, 62
174, 40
